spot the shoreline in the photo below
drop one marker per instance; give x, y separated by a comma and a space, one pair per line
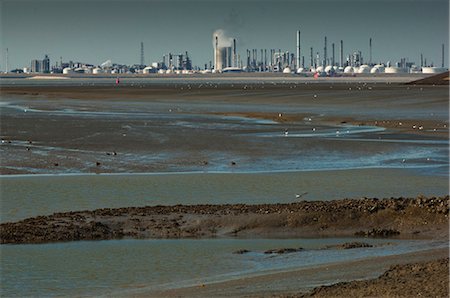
421, 217
351, 274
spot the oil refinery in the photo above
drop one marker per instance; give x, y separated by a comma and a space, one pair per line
227, 58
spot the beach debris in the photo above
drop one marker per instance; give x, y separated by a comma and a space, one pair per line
378, 233
315, 96
403, 160
420, 127
233, 163
298, 196
280, 115
313, 129
97, 164
241, 251
400, 124
283, 250
286, 132
349, 245
28, 149
414, 126
56, 164
205, 162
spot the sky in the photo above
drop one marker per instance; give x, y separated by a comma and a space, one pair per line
97, 30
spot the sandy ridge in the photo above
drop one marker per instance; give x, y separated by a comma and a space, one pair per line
404, 217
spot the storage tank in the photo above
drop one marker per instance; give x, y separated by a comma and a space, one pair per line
348, 69
148, 70
393, 69
329, 69
287, 70
319, 69
434, 69
97, 70
364, 69
301, 70
67, 70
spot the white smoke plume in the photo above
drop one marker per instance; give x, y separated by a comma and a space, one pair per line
224, 39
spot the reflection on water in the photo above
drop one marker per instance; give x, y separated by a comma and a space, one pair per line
27, 196
104, 267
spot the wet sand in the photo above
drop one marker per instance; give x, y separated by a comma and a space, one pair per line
409, 218
408, 275
183, 126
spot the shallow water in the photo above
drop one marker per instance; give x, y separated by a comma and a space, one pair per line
120, 267
32, 195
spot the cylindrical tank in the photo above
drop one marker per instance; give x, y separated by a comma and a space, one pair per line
393, 69
287, 70
97, 70
300, 70
434, 69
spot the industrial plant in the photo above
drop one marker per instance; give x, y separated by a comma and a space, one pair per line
226, 58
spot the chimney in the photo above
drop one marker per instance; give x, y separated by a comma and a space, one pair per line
298, 49
325, 53
342, 54
234, 53
370, 51
312, 58
216, 53
332, 61
442, 55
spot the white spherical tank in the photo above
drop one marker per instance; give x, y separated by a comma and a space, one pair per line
319, 69
329, 69
348, 69
147, 70
434, 69
375, 70
301, 70
97, 70
364, 69
287, 70
67, 70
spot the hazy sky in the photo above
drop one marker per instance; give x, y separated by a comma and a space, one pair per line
96, 30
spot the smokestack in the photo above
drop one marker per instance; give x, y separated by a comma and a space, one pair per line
7, 62
216, 52
421, 60
370, 51
142, 53
325, 53
234, 53
342, 54
262, 59
442, 55
265, 59
332, 61
298, 49
311, 63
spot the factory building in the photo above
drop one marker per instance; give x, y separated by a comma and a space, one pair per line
41, 65
224, 54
